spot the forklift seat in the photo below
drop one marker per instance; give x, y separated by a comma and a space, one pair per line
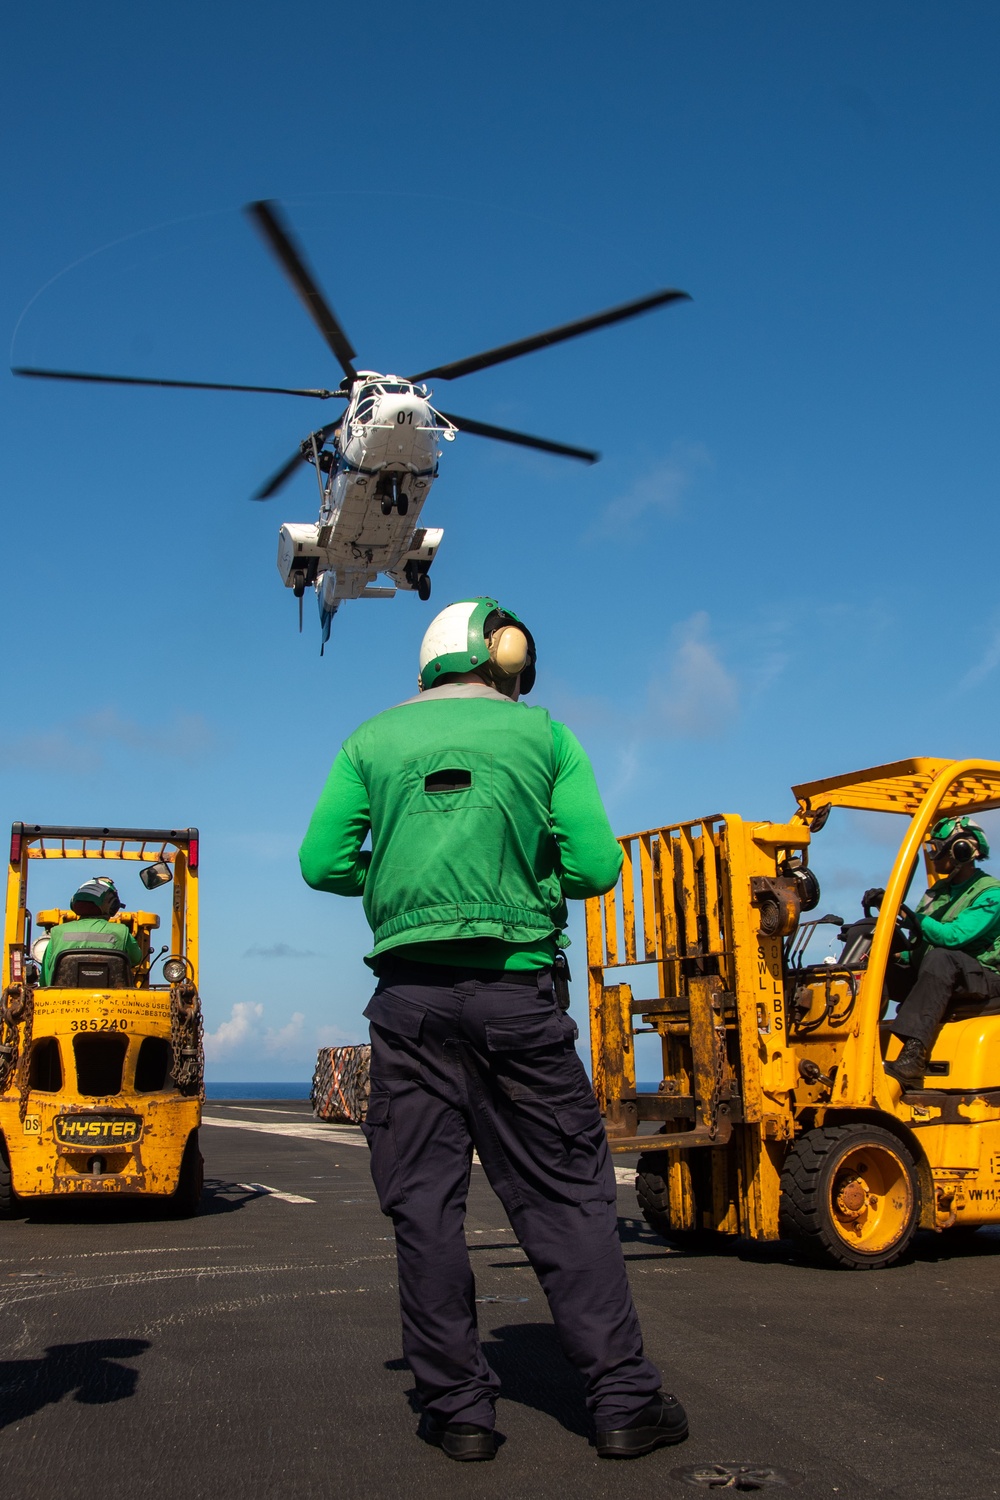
83, 969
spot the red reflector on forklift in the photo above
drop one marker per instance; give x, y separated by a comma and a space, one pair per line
15, 844
192, 854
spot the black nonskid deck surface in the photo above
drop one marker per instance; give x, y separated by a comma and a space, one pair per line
254, 1351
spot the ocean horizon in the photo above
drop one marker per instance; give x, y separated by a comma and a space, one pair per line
257, 1090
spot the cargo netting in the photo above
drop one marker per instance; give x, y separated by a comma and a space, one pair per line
340, 1083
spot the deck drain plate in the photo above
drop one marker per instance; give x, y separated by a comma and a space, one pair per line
736, 1476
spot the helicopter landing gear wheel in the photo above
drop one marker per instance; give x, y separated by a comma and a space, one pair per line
403, 504
849, 1196
387, 505
423, 587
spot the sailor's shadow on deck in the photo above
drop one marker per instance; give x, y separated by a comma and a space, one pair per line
535, 1372
88, 1371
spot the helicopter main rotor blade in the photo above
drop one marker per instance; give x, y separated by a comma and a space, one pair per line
552, 336
266, 216
523, 439
281, 476
186, 385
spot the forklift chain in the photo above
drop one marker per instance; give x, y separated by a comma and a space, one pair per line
185, 1037
24, 1065
12, 1005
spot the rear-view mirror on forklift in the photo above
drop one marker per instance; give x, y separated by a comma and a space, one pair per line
156, 875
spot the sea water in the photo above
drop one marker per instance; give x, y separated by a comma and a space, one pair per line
257, 1090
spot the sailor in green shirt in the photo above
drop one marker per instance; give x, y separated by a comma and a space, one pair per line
484, 817
958, 947
94, 903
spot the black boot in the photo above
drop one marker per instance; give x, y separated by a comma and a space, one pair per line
911, 1064
662, 1422
463, 1441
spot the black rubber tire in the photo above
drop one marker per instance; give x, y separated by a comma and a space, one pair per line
186, 1198
653, 1193
386, 505
808, 1182
8, 1198
424, 587
403, 504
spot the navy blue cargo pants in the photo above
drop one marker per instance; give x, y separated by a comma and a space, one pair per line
465, 1059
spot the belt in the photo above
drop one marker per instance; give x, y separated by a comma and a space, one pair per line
405, 971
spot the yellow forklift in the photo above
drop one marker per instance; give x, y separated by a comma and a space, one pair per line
101, 1069
774, 1114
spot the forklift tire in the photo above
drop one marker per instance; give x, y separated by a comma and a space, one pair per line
186, 1198
653, 1193
849, 1196
8, 1197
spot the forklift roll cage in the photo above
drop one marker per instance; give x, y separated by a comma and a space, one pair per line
178, 847
705, 907
101, 1070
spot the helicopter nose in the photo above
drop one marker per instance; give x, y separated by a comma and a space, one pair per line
403, 411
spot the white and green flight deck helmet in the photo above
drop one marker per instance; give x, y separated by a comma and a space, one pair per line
478, 635
962, 838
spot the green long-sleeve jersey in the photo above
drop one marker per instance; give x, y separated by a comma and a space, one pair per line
93, 934
484, 817
965, 916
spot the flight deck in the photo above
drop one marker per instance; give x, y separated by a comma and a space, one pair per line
254, 1350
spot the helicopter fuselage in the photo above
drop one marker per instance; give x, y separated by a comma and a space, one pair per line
374, 472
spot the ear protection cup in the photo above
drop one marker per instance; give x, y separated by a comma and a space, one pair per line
962, 838
509, 649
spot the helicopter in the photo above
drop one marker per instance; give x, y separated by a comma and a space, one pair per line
376, 462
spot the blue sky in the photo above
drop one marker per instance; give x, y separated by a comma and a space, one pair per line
781, 569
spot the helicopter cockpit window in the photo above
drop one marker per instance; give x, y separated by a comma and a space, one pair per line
366, 406
395, 388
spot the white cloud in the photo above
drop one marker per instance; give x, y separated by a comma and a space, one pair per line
79, 748
694, 697
57, 751
286, 1038
988, 662
185, 736
236, 1032
280, 950
328, 1035
659, 489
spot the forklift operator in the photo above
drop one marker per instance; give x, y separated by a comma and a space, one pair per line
484, 816
94, 903
957, 947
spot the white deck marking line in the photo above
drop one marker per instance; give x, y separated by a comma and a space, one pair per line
334, 1135
257, 1109
347, 1135
262, 1188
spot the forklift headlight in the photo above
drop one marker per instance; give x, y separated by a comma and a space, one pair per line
38, 948
174, 970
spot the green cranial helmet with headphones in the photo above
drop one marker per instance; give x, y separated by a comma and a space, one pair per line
961, 838
98, 895
478, 635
